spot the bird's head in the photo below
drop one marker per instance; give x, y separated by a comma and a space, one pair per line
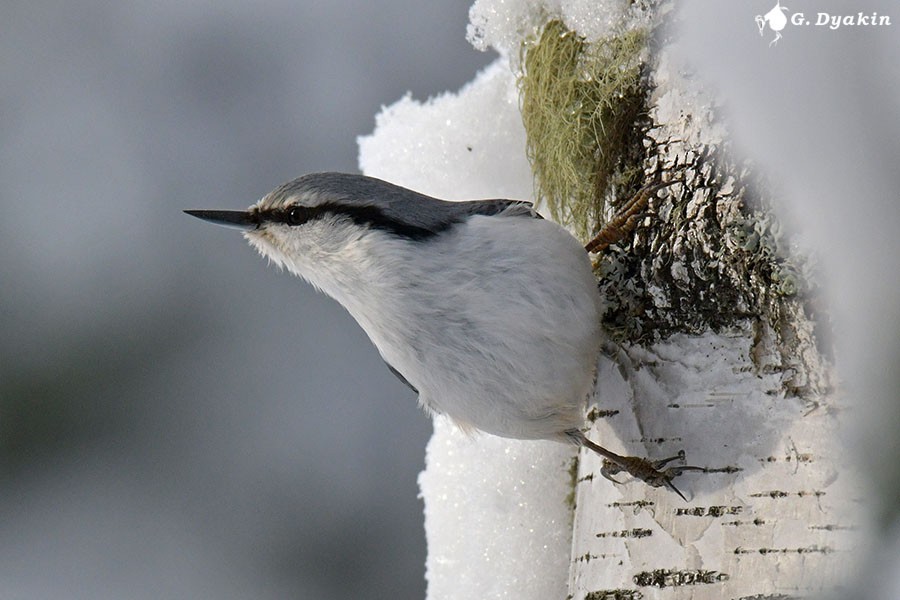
334, 221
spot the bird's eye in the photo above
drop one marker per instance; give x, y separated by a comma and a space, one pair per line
297, 215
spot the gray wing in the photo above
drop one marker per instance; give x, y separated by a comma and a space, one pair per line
420, 211
435, 216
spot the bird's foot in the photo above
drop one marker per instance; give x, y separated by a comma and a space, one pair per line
650, 472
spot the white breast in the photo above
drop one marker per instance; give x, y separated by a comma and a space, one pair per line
496, 322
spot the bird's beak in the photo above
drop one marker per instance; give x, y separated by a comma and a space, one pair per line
236, 219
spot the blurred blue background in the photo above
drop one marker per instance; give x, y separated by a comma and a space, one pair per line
177, 419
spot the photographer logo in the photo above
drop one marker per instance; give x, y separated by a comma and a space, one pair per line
778, 18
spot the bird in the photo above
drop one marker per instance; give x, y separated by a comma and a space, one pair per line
490, 313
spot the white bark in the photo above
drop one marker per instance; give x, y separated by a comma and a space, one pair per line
771, 518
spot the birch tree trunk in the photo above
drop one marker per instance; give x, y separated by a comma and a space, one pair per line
720, 350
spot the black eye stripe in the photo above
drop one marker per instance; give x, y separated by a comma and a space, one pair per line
371, 216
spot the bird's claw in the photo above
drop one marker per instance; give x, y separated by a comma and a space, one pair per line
624, 221
650, 472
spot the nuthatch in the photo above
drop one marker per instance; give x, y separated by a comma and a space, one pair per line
488, 312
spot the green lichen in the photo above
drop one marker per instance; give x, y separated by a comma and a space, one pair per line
580, 104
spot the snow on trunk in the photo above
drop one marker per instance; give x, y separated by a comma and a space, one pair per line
716, 349
498, 516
